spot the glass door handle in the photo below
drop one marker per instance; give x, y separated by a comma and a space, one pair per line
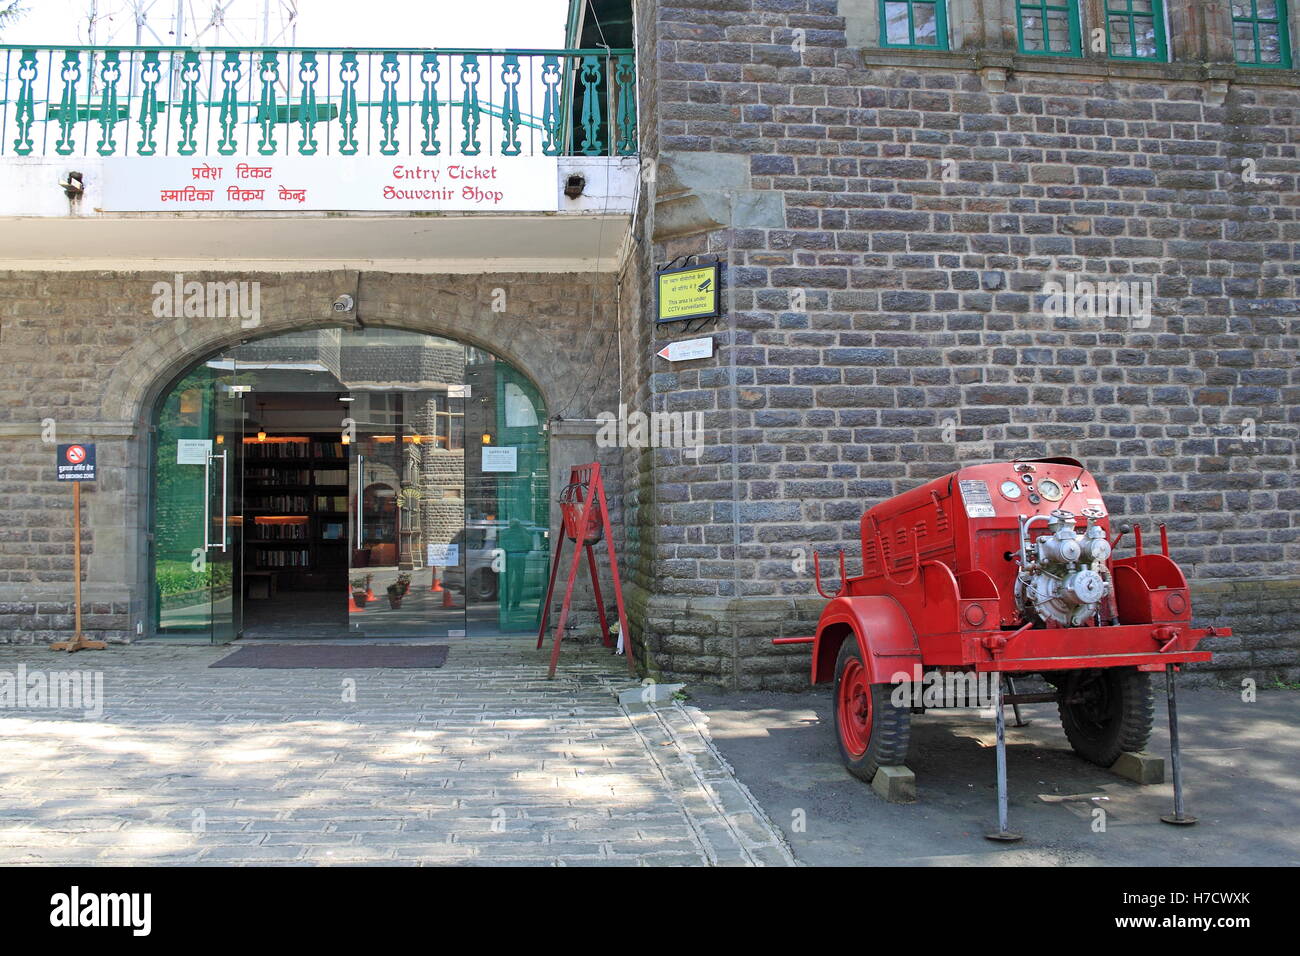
207, 502
225, 501
360, 487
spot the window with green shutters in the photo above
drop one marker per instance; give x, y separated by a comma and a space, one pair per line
1136, 29
918, 24
1259, 33
1048, 27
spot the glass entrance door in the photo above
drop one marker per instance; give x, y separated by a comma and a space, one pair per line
507, 508
223, 542
402, 466
196, 507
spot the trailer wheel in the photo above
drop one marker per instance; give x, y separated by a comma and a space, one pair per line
872, 731
1106, 712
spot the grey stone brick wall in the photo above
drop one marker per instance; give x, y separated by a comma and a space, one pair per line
889, 226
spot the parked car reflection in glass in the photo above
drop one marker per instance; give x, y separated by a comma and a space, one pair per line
498, 556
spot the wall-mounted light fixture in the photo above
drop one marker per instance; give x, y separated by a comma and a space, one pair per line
73, 186
574, 185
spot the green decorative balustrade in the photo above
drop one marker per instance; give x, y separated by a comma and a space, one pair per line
264, 101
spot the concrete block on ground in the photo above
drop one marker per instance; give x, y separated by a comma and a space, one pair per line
895, 784
1141, 767
649, 693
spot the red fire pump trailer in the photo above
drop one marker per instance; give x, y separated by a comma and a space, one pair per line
1005, 569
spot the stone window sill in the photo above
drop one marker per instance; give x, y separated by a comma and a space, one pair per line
1007, 63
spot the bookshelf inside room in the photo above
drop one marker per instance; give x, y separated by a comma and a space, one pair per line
296, 510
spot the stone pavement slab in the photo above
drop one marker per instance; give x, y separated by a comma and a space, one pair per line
481, 762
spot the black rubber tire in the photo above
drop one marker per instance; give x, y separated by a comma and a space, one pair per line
1106, 712
891, 726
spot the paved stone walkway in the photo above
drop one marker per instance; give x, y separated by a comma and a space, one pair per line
481, 762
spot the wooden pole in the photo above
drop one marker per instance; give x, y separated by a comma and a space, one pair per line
76, 554
78, 641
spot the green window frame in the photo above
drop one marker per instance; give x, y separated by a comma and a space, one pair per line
1260, 33
1135, 29
1034, 33
914, 24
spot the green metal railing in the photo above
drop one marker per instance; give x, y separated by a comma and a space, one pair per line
165, 101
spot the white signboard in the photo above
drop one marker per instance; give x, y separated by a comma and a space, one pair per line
500, 459
266, 183
444, 555
687, 349
193, 451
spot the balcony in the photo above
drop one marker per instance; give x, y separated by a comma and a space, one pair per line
161, 135
150, 101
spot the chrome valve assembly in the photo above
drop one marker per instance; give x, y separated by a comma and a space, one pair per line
1063, 576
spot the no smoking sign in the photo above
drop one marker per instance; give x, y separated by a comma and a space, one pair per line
75, 463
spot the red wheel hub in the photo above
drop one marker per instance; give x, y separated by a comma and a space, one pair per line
854, 708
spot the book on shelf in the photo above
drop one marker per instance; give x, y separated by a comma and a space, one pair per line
283, 503
278, 451
283, 559
281, 532
259, 477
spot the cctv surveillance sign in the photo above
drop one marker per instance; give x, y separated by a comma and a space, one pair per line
279, 183
689, 293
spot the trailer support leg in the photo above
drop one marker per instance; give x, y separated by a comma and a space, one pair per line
1015, 708
1003, 834
1178, 817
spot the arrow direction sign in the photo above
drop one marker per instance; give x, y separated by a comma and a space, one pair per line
687, 349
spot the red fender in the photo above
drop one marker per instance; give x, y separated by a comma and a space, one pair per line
882, 629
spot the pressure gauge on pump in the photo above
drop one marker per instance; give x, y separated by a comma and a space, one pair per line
1010, 490
1051, 489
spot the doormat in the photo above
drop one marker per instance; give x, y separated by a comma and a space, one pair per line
335, 657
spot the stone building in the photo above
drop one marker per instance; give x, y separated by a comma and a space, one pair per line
913, 202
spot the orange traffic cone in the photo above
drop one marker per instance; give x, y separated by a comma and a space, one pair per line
436, 585
446, 598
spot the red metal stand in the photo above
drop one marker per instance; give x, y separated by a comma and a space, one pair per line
585, 516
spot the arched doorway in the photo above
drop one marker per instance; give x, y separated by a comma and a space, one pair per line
348, 482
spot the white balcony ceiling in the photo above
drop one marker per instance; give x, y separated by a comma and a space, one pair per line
40, 229
410, 244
